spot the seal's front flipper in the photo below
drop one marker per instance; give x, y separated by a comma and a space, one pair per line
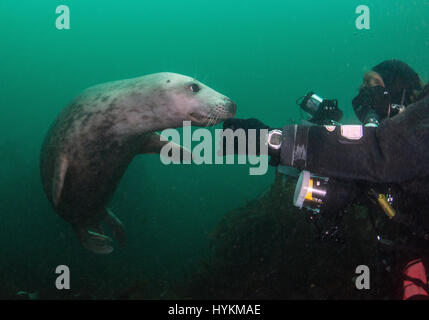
60, 171
94, 241
155, 143
116, 226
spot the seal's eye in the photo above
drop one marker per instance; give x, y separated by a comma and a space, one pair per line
194, 87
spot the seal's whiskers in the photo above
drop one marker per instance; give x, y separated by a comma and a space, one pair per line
210, 118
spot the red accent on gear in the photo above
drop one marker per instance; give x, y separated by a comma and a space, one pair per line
415, 270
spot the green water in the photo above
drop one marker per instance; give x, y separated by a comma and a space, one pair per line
262, 54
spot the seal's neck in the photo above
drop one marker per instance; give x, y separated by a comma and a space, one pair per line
139, 120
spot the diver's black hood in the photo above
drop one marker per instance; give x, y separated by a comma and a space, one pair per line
397, 76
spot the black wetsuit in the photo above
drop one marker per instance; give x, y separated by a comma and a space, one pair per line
395, 153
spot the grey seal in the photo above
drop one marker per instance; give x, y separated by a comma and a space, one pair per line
92, 141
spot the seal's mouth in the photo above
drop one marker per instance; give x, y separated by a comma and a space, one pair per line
214, 115
197, 117
211, 119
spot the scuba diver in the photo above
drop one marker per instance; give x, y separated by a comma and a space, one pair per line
385, 160
386, 90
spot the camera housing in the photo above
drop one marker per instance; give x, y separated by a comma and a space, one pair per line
322, 111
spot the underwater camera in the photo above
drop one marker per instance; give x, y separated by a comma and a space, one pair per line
322, 111
321, 194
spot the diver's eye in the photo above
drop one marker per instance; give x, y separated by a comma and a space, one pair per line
194, 87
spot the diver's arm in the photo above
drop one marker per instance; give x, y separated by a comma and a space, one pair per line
398, 150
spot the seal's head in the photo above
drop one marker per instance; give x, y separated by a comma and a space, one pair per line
194, 101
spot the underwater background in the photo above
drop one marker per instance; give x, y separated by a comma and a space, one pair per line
263, 55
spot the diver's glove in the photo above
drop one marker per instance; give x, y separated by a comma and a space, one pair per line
246, 125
